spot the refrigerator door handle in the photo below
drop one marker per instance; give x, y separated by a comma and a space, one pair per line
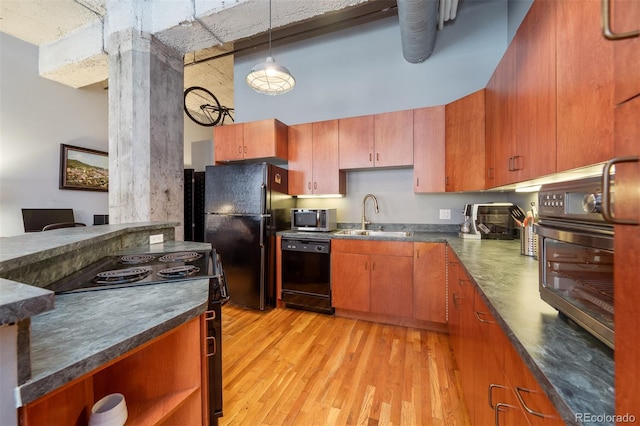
263, 284
237, 214
263, 199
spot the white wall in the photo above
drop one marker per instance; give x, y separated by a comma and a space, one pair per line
36, 116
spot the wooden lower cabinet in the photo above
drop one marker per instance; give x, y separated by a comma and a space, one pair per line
498, 387
372, 276
429, 282
163, 381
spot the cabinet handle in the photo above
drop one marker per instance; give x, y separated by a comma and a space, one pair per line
490, 173
377, 157
245, 149
456, 298
500, 406
309, 185
524, 405
366, 266
315, 185
462, 282
482, 319
607, 32
239, 149
212, 340
446, 181
510, 164
490, 396
515, 163
370, 157
606, 191
418, 182
373, 266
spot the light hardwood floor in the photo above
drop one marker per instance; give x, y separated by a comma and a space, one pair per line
291, 367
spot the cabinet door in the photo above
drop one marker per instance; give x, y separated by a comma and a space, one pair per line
429, 282
300, 159
500, 121
350, 278
428, 149
228, 142
625, 18
627, 250
455, 302
392, 285
355, 142
265, 139
465, 151
327, 178
585, 86
393, 139
536, 93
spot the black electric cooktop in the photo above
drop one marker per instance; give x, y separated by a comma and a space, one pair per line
140, 269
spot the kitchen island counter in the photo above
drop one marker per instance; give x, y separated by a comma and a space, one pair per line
574, 369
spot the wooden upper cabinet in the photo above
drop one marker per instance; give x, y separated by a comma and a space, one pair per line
300, 173
625, 18
464, 146
228, 142
313, 159
428, 149
356, 142
429, 282
393, 139
327, 178
380, 140
536, 93
500, 107
251, 140
585, 92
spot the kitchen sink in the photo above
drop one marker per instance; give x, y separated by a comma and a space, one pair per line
368, 233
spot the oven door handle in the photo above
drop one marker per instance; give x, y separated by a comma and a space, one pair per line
607, 212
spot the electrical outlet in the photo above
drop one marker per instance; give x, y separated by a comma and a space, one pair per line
445, 214
155, 239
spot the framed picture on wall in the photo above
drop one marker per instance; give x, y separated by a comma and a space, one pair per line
83, 168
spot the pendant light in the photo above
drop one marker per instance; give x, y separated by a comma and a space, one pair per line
268, 77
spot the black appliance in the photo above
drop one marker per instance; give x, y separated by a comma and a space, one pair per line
576, 256
306, 275
193, 205
144, 268
245, 205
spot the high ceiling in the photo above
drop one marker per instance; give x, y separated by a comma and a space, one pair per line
241, 26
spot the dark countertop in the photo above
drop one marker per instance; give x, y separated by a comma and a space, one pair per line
575, 369
20, 301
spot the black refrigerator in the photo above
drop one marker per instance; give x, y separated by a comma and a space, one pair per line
245, 205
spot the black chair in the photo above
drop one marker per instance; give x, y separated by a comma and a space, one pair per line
62, 225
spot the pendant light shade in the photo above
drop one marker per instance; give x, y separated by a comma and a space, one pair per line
268, 77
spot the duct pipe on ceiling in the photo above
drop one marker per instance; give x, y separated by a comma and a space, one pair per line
418, 22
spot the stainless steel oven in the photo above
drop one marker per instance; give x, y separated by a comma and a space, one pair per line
576, 257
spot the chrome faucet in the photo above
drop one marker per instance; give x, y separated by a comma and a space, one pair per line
364, 221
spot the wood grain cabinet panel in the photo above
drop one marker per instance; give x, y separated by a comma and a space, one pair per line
393, 139
251, 140
585, 92
500, 139
429, 282
536, 93
380, 140
356, 142
392, 285
625, 18
351, 281
465, 147
429, 149
313, 159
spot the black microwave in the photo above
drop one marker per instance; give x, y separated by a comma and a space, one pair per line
319, 220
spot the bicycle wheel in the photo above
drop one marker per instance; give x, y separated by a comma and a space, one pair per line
202, 106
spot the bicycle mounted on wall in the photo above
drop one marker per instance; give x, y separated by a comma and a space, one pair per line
204, 108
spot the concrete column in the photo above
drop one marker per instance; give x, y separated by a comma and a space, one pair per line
146, 129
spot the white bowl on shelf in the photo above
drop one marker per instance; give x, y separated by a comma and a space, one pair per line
109, 411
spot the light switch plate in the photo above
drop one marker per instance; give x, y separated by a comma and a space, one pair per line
155, 239
445, 214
